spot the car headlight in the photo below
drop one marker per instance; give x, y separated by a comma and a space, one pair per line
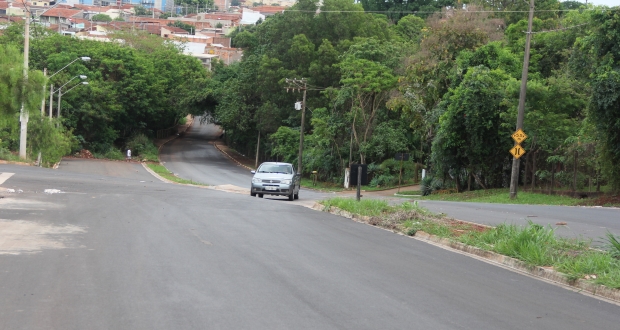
256, 180
286, 181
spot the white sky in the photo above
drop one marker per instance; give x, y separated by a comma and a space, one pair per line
610, 3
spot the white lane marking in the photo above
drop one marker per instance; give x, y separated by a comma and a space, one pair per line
5, 176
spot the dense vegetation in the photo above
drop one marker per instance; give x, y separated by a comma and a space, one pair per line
443, 86
440, 84
137, 85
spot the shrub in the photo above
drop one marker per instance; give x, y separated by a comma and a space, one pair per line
52, 140
140, 145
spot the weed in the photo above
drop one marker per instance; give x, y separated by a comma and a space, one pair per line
163, 172
613, 244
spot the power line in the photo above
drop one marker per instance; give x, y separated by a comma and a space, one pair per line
560, 29
433, 12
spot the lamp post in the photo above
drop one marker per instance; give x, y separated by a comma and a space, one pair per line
83, 58
60, 93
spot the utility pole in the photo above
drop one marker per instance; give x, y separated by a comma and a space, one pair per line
514, 176
43, 99
23, 114
299, 84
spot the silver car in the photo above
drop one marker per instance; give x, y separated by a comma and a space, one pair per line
279, 179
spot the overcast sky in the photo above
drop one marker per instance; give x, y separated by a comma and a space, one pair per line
610, 3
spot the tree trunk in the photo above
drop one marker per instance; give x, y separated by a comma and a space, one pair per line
479, 181
469, 182
552, 177
257, 150
534, 154
575, 173
598, 180
527, 168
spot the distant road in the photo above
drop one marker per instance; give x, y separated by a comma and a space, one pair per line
192, 157
587, 222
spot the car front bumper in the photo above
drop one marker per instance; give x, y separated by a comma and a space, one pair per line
271, 188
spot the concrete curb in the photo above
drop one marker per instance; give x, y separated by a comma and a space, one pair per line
229, 156
580, 285
8, 162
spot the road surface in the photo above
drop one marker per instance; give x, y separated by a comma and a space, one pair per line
125, 252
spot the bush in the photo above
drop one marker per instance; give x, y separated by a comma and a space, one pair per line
114, 153
141, 146
52, 140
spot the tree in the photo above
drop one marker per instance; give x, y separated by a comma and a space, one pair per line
101, 18
605, 106
187, 27
141, 11
366, 84
14, 89
470, 134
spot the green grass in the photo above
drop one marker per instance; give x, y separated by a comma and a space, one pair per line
411, 192
5, 154
502, 196
533, 244
370, 207
330, 186
163, 172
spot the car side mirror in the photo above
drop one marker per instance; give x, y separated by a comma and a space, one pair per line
253, 172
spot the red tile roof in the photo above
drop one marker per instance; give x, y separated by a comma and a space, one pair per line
98, 9
175, 29
269, 9
61, 12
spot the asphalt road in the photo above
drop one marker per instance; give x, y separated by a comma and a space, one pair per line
192, 157
121, 252
581, 222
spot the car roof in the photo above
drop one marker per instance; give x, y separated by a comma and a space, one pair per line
276, 163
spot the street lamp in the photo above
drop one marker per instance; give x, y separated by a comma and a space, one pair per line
60, 93
83, 58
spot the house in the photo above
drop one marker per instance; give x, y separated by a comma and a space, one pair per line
61, 16
12, 9
42, 3
169, 31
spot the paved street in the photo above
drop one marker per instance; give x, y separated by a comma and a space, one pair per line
117, 253
104, 245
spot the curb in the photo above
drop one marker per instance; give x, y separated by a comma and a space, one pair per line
580, 285
8, 162
229, 156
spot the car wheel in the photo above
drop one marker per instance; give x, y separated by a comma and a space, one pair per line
260, 195
296, 196
291, 196
253, 194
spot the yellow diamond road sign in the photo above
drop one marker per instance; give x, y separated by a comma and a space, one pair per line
517, 151
519, 136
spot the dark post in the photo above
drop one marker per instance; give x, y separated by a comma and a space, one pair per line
359, 182
514, 176
400, 175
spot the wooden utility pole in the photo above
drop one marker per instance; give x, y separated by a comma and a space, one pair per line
23, 114
299, 85
514, 177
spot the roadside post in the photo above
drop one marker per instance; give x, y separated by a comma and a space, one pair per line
402, 157
359, 182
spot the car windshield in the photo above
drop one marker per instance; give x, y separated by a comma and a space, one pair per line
275, 169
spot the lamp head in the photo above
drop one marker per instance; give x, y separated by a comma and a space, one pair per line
83, 77
84, 82
85, 58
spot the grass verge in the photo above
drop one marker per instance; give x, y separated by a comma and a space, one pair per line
163, 172
533, 244
330, 186
501, 196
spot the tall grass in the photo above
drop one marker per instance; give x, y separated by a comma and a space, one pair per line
534, 244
